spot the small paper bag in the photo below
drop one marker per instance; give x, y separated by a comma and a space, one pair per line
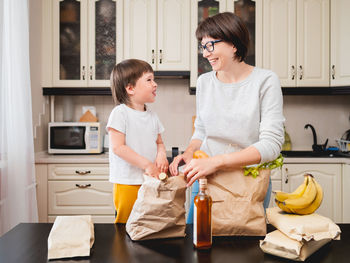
159, 210
238, 203
71, 236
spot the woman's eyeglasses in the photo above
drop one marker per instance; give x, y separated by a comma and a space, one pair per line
209, 46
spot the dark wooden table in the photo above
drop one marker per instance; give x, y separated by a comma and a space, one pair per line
28, 243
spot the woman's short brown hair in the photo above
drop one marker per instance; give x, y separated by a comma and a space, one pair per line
127, 73
227, 27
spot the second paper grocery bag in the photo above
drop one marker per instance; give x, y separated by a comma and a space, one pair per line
159, 210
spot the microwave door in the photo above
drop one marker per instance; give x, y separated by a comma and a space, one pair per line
68, 137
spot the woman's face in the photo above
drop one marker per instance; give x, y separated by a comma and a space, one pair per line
222, 57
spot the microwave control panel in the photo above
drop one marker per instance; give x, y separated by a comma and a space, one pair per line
93, 138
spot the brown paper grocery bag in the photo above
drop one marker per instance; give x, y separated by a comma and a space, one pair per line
238, 203
159, 210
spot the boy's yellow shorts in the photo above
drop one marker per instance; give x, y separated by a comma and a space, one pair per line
124, 197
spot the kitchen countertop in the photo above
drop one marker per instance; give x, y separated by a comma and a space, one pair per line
28, 243
44, 158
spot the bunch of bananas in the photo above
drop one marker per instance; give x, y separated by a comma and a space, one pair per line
304, 200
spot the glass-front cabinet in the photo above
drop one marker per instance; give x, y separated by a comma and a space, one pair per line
251, 13
87, 41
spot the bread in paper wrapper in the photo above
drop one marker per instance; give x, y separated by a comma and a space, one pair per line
71, 236
303, 227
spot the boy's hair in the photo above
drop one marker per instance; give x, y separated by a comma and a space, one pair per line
227, 27
127, 73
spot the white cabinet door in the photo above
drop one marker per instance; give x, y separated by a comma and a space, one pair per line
158, 32
78, 172
279, 39
201, 9
87, 41
340, 43
313, 43
296, 41
251, 13
327, 175
140, 30
105, 43
276, 177
346, 193
70, 61
173, 35
80, 197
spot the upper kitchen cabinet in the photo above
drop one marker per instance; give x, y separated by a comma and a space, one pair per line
340, 43
251, 13
158, 31
86, 41
296, 41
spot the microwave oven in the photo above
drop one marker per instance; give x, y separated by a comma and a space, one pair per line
75, 138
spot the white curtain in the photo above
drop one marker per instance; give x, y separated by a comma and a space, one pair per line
17, 174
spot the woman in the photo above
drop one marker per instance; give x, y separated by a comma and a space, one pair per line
239, 107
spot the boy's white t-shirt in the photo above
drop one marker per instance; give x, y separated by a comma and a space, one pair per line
141, 129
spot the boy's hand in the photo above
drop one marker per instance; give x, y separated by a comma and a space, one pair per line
162, 162
152, 170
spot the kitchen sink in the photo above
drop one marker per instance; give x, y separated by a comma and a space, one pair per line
312, 154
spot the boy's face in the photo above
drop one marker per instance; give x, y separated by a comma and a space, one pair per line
145, 89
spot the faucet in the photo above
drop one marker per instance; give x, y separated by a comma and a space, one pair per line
316, 147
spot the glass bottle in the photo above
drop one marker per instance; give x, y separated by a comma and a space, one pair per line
202, 231
287, 145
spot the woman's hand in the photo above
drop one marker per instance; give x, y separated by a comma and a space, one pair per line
198, 168
152, 170
186, 157
162, 162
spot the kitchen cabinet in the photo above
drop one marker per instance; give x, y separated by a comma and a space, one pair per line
346, 193
329, 176
74, 189
296, 41
276, 181
251, 13
41, 191
158, 31
86, 41
340, 42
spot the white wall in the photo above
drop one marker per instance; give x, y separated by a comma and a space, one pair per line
328, 114
39, 105
174, 106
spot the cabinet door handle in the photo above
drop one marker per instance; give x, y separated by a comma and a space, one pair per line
301, 72
293, 72
90, 73
333, 72
286, 180
82, 186
83, 72
82, 172
152, 56
160, 56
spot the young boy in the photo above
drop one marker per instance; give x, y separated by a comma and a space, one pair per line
136, 146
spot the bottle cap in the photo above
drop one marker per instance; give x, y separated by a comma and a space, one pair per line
203, 181
162, 176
